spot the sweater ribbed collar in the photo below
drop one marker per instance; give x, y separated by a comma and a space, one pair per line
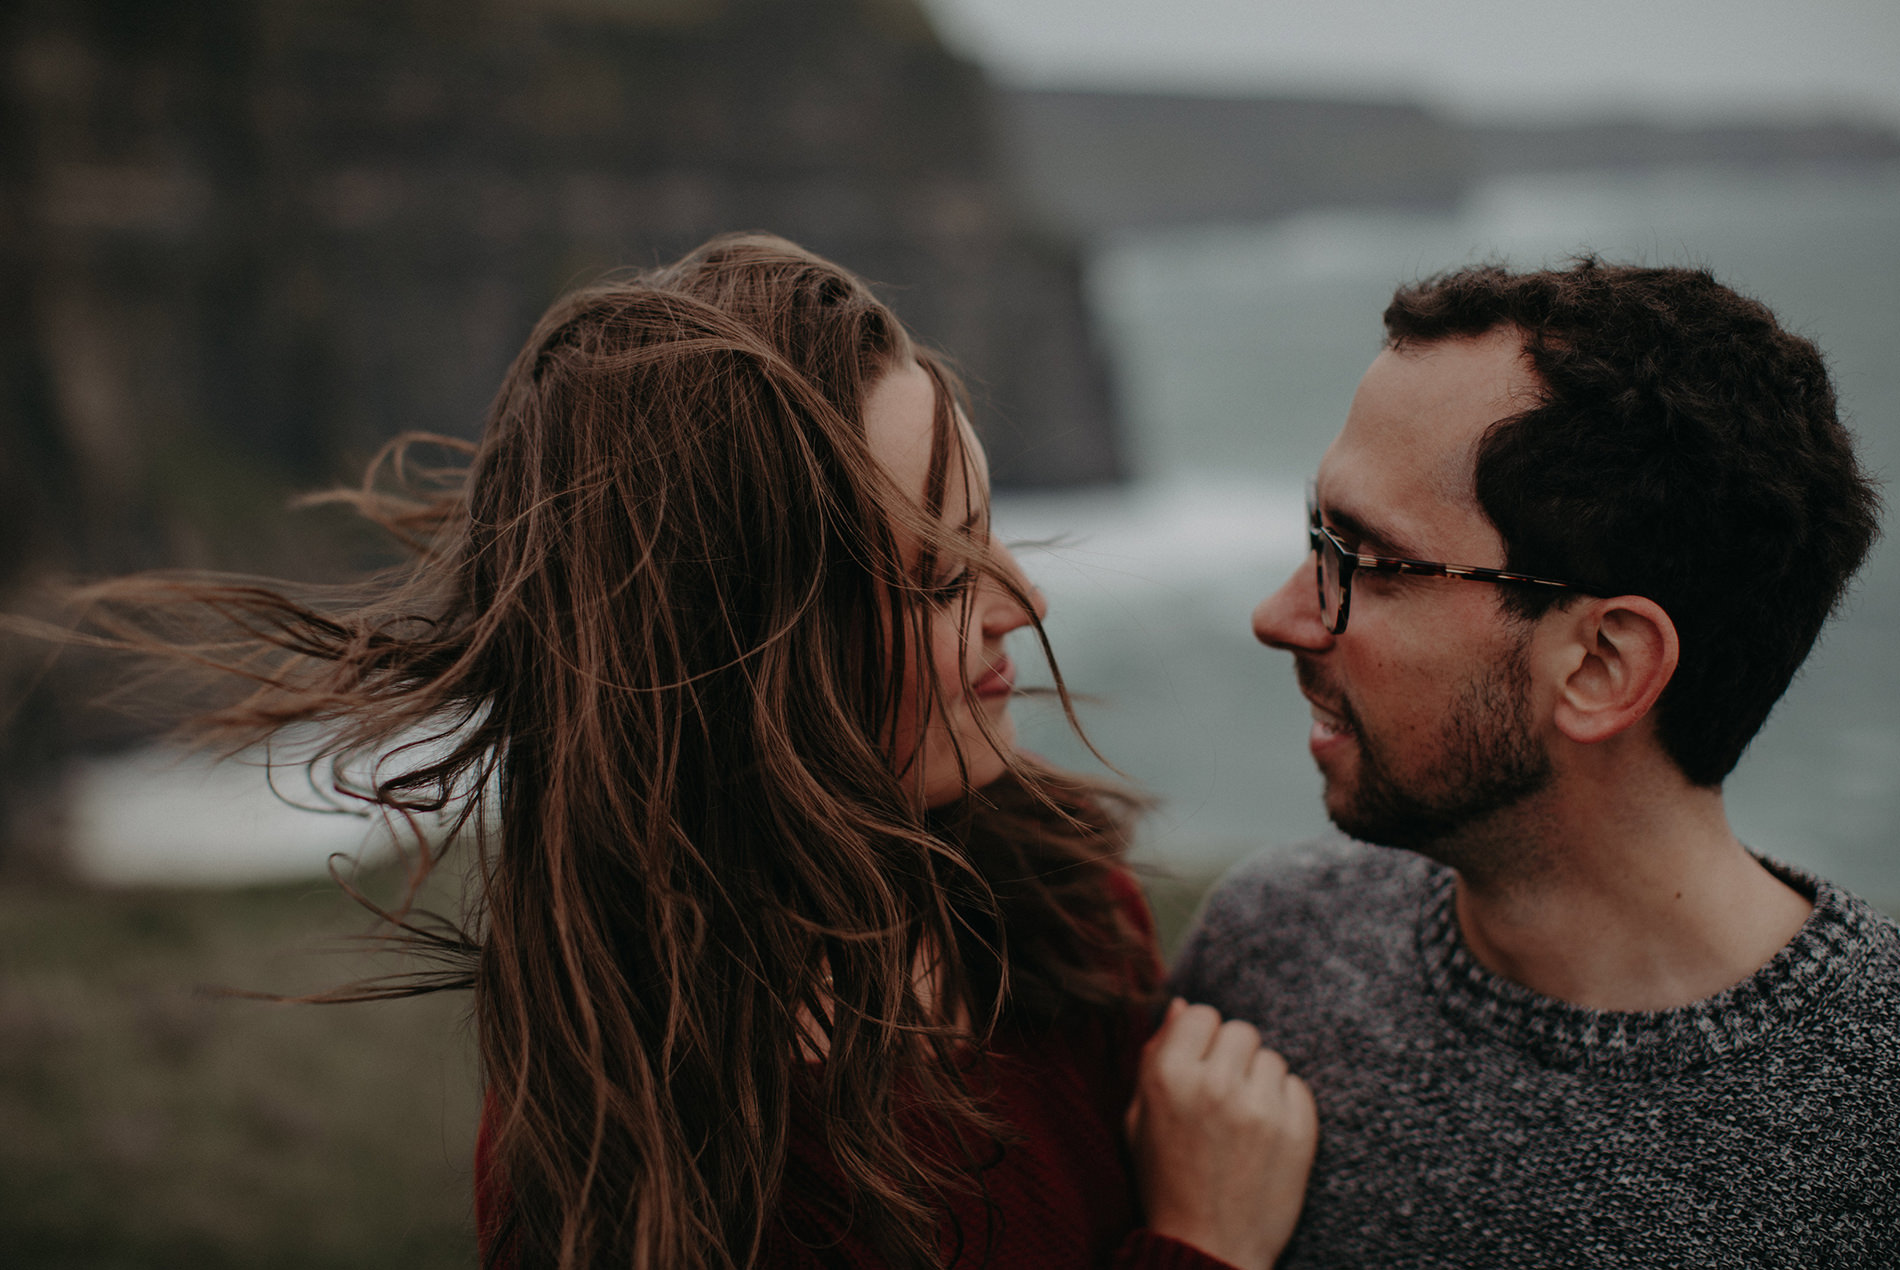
1824, 954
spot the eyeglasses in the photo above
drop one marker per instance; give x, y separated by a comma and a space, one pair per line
1335, 564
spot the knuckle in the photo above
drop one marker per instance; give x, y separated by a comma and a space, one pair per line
1303, 1111
1205, 1016
1252, 1113
1240, 1029
1220, 1082
1171, 1075
1155, 1072
1304, 1101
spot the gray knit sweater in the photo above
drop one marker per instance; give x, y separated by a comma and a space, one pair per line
1466, 1121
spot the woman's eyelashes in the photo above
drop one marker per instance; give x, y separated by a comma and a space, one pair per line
953, 575
947, 590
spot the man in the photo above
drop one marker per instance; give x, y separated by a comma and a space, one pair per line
1572, 1021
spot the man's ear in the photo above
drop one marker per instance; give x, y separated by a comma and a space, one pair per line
1617, 656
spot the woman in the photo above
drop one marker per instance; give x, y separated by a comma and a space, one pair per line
785, 955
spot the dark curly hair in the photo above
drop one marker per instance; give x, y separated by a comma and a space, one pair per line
1686, 448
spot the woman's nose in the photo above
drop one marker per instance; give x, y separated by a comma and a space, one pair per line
1004, 613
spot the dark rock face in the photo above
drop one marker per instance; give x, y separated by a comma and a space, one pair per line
261, 238
1100, 163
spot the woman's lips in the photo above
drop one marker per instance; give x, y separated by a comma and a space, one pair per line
996, 682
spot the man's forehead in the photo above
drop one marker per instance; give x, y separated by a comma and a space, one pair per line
1401, 468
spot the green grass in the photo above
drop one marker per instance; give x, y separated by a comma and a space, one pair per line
1175, 898
147, 1122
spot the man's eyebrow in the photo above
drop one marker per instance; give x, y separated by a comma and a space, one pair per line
1365, 537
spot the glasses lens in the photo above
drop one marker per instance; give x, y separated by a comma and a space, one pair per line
1330, 570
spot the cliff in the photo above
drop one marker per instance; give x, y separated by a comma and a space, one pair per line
265, 236
1098, 163
1102, 162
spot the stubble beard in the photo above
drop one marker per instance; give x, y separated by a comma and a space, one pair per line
1489, 761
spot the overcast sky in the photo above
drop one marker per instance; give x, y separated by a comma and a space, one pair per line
1687, 60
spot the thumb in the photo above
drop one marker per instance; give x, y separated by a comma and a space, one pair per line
1168, 1018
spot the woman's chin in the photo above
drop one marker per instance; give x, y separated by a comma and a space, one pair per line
980, 767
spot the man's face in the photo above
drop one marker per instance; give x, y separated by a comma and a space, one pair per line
1425, 720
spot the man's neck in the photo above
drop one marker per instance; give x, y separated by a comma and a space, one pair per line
1635, 903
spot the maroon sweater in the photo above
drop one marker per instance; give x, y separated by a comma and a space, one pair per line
1062, 1196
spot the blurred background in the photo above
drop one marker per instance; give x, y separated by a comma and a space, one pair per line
243, 241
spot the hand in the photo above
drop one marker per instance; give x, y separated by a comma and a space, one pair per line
1223, 1137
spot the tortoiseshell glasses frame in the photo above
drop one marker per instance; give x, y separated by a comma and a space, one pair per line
1334, 563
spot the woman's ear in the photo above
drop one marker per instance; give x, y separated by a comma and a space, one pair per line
1618, 655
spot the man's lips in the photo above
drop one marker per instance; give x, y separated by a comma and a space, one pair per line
1333, 726
1330, 722
997, 681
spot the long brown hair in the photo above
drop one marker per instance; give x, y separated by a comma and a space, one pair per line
646, 659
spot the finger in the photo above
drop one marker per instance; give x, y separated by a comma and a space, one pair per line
1302, 1109
1164, 1028
1189, 1032
1174, 1063
1164, 1018
1288, 1109
1233, 1048
1269, 1065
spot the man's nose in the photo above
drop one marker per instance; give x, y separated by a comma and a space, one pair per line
1289, 618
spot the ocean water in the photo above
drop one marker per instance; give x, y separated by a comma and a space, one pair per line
1237, 350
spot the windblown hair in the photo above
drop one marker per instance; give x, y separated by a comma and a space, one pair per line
647, 659
1685, 448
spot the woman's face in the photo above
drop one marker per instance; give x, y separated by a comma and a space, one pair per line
968, 669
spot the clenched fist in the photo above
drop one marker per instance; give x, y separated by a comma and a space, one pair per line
1223, 1137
